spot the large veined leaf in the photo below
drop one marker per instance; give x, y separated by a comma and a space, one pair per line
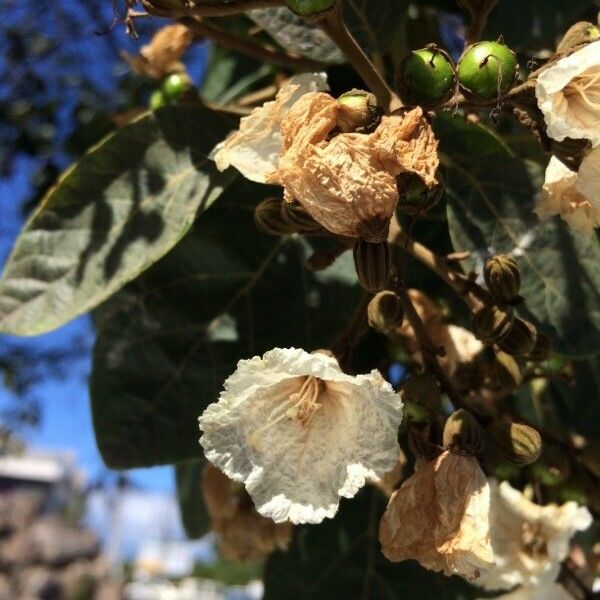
341, 558
168, 340
373, 24
491, 197
110, 216
194, 518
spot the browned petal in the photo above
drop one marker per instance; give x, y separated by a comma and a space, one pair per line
347, 182
439, 516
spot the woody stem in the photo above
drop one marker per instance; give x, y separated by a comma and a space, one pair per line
333, 25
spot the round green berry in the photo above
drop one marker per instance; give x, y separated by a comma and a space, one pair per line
310, 7
157, 100
426, 77
487, 69
175, 85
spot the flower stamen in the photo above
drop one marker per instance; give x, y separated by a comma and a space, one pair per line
581, 86
306, 400
533, 543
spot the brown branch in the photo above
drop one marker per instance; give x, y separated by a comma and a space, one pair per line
206, 29
333, 25
428, 348
234, 7
479, 12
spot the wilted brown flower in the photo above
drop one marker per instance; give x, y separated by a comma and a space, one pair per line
162, 55
244, 534
439, 516
347, 182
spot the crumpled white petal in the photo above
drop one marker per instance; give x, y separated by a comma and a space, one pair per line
547, 591
297, 458
568, 94
565, 193
254, 149
529, 541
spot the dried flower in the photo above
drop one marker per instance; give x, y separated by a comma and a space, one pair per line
254, 149
347, 182
529, 540
243, 533
573, 196
162, 55
568, 93
439, 516
299, 433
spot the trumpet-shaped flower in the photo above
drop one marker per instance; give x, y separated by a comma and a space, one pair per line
299, 433
529, 541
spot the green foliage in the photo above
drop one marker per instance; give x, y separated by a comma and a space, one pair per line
168, 340
195, 519
341, 558
110, 216
491, 197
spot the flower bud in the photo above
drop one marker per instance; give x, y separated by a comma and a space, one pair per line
267, 216
462, 432
423, 389
487, 69
426, 78
502, 277
520, 340
415, 198
581, 33
506, 374
385, 312
517, 443
491, 323
541, 350
297, 218
359, 112
372, 263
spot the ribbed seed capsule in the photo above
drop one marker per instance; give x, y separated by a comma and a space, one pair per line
297, 218
462, 432
502, 277
385, 312
542, 348
506, 374
267, 216
491, 323
372, 263
520, 340
515, 442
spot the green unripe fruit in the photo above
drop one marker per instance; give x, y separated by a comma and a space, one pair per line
175, 85
487, 69
307, 8
157, 100
415, 412
426, 78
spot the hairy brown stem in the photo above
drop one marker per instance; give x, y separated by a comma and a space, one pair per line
428, 348
333, 25
206, 29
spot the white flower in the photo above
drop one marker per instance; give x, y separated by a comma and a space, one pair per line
529, 541
546, 591
568, 93
299, 433
573, 196
254, 149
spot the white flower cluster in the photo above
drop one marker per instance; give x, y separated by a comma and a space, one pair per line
568, 94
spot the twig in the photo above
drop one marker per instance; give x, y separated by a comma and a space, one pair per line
333, 25
234, 7
428, 348
343, 347
219, 36
479, 17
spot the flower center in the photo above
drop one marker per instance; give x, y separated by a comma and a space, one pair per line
586, 88
533, 543
306, 400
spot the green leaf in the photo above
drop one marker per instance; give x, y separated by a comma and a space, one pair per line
491, 197
341, 558
168, 340
195, 519
111, 215
372, 23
